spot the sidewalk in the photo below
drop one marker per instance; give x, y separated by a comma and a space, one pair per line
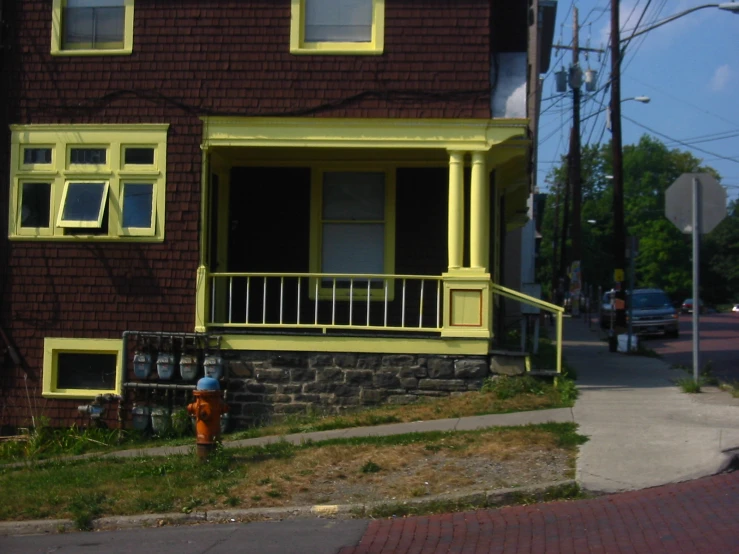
644, 431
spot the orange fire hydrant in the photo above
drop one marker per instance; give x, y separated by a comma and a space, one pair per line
207, 409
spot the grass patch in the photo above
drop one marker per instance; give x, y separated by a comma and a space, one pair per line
360, 469
689, 385
731, 388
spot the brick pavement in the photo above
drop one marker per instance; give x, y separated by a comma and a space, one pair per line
700, 516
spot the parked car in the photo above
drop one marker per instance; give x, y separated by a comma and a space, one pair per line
735, 308
687, 306
652, 312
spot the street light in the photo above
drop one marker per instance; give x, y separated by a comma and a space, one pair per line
642, 99
619, 230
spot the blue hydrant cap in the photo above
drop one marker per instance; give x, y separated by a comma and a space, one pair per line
208, 383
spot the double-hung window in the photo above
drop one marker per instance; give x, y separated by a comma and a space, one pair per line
353, 229
96, 182
92, 27
337, 27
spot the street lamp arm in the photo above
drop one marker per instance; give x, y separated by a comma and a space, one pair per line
728, 6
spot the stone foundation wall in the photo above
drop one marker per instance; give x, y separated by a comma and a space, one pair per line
265, 386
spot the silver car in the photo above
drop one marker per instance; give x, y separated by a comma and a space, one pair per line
652, 312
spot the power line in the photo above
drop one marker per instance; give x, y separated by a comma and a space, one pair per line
735, 160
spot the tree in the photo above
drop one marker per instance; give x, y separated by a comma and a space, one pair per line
664, 259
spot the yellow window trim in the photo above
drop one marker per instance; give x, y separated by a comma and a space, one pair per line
57, 48
92, 224
115, 139
52, 348
298, 44
316, 231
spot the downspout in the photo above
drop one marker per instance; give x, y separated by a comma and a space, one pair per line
201, 287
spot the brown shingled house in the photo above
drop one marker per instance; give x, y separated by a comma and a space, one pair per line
308, 198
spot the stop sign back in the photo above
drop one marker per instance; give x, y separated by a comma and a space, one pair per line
711, 199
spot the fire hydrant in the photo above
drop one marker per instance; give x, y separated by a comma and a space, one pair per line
207, 409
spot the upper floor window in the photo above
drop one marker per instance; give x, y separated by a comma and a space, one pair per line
107, 184
92, 27
337, 27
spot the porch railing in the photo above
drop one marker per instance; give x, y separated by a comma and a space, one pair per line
370, 302
531, 301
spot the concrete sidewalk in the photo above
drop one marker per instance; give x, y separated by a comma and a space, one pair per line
644, 431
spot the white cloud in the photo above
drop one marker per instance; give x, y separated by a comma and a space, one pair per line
721, 78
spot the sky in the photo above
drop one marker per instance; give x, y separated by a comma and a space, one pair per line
689, 68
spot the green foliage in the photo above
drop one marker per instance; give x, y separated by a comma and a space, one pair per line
567, 390
85, 507
689, 385
504, 387
664, 259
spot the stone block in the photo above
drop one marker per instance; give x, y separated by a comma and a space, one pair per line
321, 361
447, 385
371, 396
385, 380
398, 360
409, 383
507, 365
345, 361
237, 368
471, 369
289, 361
358, 377
302, 374
440, 368
272, 375
334, 375
369, 362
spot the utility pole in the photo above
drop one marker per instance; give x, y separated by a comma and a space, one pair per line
619, 230
574, 169
555, 241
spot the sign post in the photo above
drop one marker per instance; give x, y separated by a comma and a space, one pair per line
695, 203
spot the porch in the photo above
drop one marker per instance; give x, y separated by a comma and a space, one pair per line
381, 235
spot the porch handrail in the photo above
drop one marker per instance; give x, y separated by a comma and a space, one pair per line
536, 302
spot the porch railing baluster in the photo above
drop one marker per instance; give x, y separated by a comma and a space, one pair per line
333, 303
264, 300
438, 303
282, 296
230, 298
369, 281
297, 318
420, 306
213, 300
386, 293
316, 303
248, 291
402, 309
351, 301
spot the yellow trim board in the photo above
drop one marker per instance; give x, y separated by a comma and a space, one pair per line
52, 348
347, 133
370, 345
57, 26
298, 44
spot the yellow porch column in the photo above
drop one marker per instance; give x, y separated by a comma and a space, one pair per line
456, 209
479, 213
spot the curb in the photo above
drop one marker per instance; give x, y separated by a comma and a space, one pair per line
471, 500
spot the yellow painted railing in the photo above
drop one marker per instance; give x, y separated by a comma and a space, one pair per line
531, 301
369, 302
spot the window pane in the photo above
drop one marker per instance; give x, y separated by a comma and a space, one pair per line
353, 248
83, 202
137, 205
93, 24
86, 371
87, 156
37, 156
353, 196
35, 204
338, 20
139, 156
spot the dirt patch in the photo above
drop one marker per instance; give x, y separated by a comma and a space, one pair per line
368, 473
